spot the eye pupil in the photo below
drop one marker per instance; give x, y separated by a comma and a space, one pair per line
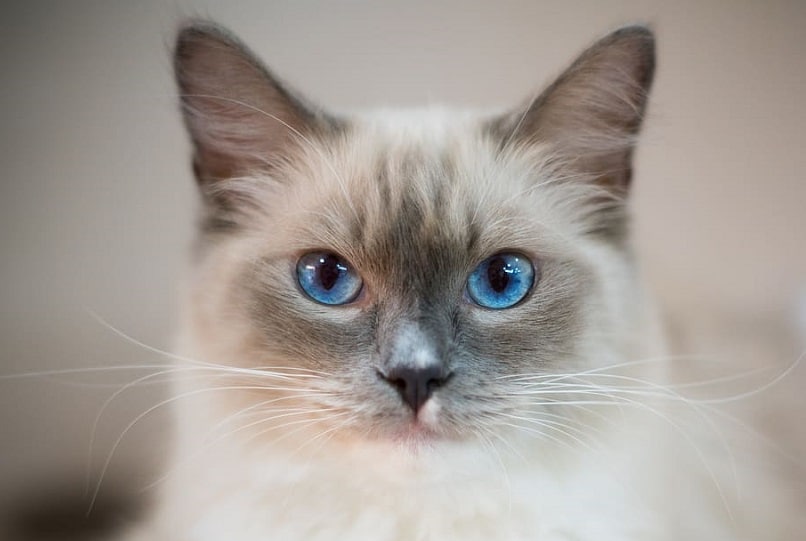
498, 274
328, 271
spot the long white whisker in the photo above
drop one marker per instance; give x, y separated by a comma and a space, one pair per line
557, 427
783, 375
259, 371
656, 412
157, 406
209, 444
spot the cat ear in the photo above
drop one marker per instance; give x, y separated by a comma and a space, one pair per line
240, 118
591, 115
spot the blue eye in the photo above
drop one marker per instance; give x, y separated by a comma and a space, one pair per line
327, 278
501, 281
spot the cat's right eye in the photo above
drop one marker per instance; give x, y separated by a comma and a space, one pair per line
501, 281
328, 279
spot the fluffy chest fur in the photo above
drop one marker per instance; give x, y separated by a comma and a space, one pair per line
635, 482
463, 492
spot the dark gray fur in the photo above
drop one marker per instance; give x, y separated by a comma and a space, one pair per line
418, 274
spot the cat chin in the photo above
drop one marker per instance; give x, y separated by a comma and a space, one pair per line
417, 440
414, 460
412, 440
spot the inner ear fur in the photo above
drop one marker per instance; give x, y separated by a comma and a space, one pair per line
590, 116
240, 117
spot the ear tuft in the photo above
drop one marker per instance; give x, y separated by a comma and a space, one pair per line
240, 118
590, 116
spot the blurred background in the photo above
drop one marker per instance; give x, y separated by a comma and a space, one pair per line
97, 203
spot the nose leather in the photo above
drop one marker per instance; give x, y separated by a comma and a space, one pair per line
416, 384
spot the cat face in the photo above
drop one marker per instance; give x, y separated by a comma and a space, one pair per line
409, 275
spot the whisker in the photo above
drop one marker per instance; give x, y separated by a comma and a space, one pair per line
303, 422
289, 413
259, 371
556, 426
504, 472
209, 444
678, 428
83, 370
541, 434
163, 403
256, 408
770, 384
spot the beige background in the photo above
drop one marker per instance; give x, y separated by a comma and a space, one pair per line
97, 203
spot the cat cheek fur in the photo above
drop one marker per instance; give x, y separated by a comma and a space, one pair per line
298, 433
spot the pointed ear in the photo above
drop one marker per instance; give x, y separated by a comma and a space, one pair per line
240, 118
591, 115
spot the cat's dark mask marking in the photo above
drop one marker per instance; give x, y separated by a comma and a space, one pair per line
415, 266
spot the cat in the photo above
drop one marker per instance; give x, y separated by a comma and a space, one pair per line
428, 324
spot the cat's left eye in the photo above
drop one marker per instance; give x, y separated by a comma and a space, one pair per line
501, 281
327, 278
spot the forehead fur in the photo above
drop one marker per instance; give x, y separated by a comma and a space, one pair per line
401, 183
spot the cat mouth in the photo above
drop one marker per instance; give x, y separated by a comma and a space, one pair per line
414, 435
423, 427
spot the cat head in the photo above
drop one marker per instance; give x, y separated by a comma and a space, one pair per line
410, 275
